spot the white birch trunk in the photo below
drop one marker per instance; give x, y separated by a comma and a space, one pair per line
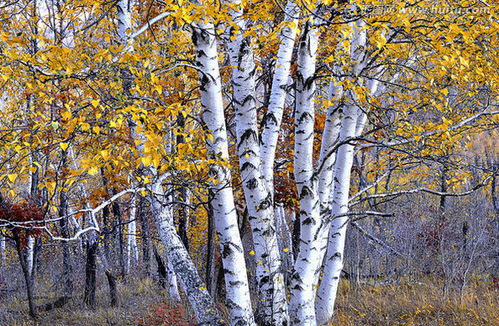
125, 23
353, 119
334, 256
307, 262
3, 249
337, 231
236, 281
173, 290
30, 254
162, 214
179, 259
132, 249
273, 118
327, 159
199, 298
272, 305
327, 156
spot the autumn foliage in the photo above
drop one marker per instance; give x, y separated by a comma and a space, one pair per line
24, 217
167, 314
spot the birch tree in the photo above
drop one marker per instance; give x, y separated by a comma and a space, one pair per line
223, 202
269, 96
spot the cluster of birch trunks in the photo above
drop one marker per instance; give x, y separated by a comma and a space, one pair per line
304, 291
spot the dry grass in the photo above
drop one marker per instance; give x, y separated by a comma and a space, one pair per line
137, 297
417, 305
142, 302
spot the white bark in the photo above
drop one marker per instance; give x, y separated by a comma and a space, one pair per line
3, 249
236, 282
307, 263
30, 254
132, 249
352, 121
329, 139
272, 305
273, 117
182, 264
163, 213
327, 159
173, 291
196, 292
125, 23
334, 255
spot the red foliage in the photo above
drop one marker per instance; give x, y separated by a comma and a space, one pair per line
168, 315
433, 236
495, 283
23, 212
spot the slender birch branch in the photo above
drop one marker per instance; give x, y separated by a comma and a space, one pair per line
424, 189
377, 181
92, 211
149, 24
377, 240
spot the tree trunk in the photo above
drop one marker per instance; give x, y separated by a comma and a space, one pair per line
113, 291
273, 117
210, 255
132, 249
272, 303
119, 235
236, 282
183, 195
307, 262
66, 254
146, 242
90, 273
337, 233
195, 290
162, 274
24, 260
284, 240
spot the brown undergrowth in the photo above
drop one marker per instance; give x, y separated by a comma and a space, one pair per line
143, 303
417, 304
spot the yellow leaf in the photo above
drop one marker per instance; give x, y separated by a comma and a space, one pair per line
93, 170
252, 252
285, 249
51, 186
12, 177
64, 146
66, 115
104, 154
95, 103
146, 160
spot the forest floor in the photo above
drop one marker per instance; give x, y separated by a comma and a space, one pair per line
143, 303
